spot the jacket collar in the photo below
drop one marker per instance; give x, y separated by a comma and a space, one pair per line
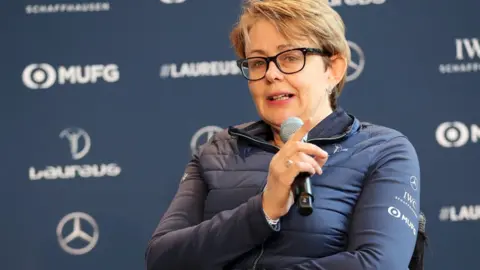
337, 126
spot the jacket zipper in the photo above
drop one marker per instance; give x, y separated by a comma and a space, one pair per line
276, 150
255, 140
257, 259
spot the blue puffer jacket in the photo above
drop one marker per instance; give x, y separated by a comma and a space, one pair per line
366, 212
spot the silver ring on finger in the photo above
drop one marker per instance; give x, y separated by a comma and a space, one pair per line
288, 163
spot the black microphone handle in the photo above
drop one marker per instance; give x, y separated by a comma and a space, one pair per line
303, 194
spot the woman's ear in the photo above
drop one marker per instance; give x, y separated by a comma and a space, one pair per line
338, 69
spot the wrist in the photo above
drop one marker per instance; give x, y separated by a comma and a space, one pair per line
271, 220
268, 211
274, 224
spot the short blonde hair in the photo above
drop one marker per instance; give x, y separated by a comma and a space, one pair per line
313, 20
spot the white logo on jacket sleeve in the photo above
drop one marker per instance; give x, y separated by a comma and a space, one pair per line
409, 201
414, 182
394, 212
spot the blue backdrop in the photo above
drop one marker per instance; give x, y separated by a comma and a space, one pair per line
103, 103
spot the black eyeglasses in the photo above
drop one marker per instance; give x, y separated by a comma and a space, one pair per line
288, 62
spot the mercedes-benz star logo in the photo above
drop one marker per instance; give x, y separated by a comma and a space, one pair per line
357, 63
78, 241
209, 131
73, 135
413, 182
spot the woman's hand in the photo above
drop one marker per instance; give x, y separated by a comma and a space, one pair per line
293, 158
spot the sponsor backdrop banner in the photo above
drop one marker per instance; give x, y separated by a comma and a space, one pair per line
104, 102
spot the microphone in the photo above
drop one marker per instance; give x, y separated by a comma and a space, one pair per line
302, 186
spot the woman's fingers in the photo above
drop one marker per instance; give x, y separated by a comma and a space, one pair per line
307, 148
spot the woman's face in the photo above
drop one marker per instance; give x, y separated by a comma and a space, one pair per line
306, 90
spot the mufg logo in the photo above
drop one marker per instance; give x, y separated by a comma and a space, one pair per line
43, 75
456, 134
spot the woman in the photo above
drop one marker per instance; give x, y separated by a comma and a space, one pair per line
234, 207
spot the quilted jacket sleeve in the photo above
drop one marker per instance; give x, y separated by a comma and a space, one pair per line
183, 241
385, 222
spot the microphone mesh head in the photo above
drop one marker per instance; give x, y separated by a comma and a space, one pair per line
290, 126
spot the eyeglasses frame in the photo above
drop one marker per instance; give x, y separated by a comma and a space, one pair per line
273, 59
